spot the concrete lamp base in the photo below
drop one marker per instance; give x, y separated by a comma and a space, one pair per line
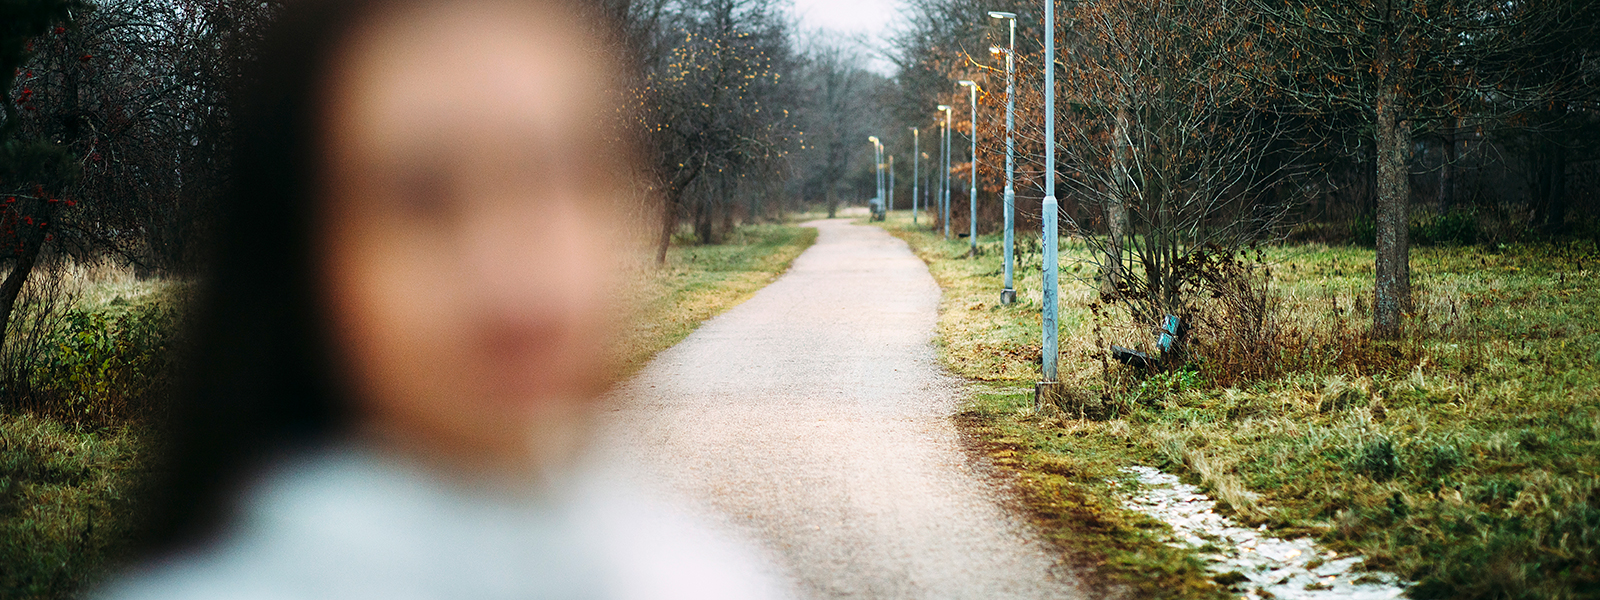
1047, 393
1008, 297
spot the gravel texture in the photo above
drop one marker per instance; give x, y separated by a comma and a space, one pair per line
1272, 567
815, 419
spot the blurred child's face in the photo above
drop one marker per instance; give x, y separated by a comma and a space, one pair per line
468, 230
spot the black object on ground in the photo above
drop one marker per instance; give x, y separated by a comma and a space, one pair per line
1131, 357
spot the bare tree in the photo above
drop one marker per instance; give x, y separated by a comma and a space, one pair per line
713, 103
1164, 136
838, 110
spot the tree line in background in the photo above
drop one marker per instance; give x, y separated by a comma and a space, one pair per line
747, 116
1183, 124
1191, 128
116, 131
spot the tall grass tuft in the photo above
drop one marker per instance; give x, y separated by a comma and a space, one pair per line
1240, 333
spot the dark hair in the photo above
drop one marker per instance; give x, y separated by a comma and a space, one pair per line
257, 379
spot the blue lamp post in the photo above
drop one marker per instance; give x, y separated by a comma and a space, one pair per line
972, 178
945, 201
877, 164
1049, 389
1009, 294
916, 163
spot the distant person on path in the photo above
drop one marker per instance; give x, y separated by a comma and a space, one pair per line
405, 326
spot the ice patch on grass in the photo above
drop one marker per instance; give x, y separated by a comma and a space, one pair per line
1272, 567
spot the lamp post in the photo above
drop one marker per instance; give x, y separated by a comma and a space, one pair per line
890, 207
945, 201
927, 189
916, 171
1009, 294
1049, 390
972, 178
877, 164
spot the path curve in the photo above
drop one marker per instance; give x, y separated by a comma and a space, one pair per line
815, 418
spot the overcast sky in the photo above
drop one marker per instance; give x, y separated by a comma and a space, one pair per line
869, 20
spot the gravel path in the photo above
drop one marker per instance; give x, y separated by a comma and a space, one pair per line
815, 418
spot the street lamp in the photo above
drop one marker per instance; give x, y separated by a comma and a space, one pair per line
945, 202
1050, 388
972, 179
927, 191
916, 171
877, 163
1009, 294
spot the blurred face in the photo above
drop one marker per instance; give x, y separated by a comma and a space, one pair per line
468, 228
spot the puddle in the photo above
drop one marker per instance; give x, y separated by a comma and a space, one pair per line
1274, 567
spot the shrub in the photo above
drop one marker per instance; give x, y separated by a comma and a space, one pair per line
37, 316
1239, 332
108, 364
1364, 231
1456, 227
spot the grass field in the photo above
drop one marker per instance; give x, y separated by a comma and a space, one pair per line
68, 474
1464, 457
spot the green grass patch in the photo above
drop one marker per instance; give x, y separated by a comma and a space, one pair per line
1464, 457
65, 495
700, 282
70, 443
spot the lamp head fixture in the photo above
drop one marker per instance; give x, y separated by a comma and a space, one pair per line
995, 14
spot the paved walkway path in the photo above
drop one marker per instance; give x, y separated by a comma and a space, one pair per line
816, 418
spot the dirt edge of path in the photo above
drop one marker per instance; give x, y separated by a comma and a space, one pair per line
989, 455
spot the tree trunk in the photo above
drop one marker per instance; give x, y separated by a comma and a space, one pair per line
1556, 218
1447, 179
702, 221
669, 223
753, 212
833, 199
1392, 285
12, 286
1116, 208
1549, 176
727, 214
